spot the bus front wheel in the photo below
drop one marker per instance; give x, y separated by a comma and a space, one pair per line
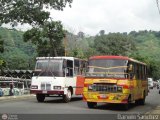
68, 96
127, 105
40, 97
91, 104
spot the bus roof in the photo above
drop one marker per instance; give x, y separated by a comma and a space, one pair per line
116, 57
59, 57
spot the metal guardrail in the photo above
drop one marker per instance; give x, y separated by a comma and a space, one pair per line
2, 78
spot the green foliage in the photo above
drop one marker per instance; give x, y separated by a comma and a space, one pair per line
17, 54
148, 47
19, 61
48, 38
2, 62
28, 11
1, 45
114, 44
34, 35
2, 65
78, 46
54, 32
77, 52
143, 46
154, 69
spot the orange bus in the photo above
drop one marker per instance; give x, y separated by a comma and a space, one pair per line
115, 79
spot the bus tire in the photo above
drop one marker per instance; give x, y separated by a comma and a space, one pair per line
40, 97
137, 102
68, 96
141, 101
127, 105
91, 104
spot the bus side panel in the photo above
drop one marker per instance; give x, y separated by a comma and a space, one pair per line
79, 85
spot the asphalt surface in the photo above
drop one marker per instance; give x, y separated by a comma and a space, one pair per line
54, 107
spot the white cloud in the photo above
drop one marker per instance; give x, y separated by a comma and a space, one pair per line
91, 16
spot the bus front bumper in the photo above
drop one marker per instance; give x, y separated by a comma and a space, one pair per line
46, 92
106, 98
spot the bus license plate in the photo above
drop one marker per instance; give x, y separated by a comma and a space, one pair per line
44, 91
103, 96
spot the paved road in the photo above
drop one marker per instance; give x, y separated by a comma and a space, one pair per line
76, 106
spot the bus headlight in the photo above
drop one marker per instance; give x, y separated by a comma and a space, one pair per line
57, 87
119, 88
90, 87
34, 87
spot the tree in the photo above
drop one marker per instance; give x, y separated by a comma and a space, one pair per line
2, 62
48, 38
114, 44
1, 45
2, 65
81, 34
102, 32
33, 12
28, 11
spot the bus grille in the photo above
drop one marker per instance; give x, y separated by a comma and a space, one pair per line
48, 86
104, 88
45, 86
42, 86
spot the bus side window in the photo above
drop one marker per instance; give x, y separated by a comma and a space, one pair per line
131, 70
84, 66
136, 71
69, 72
76, 66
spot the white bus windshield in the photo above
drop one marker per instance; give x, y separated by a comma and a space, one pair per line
107, 68
49, 68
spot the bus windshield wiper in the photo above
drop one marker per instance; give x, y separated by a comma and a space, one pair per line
51, 72
42, 71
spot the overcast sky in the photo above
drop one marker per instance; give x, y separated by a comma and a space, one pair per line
91, 16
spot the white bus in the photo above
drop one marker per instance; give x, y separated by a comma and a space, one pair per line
62, 76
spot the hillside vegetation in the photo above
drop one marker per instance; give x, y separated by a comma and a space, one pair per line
17, 53
141, 45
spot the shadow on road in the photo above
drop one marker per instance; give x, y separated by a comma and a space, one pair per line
115, 107
60, 100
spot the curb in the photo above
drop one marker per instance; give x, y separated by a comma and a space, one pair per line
16, 97
154, 111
